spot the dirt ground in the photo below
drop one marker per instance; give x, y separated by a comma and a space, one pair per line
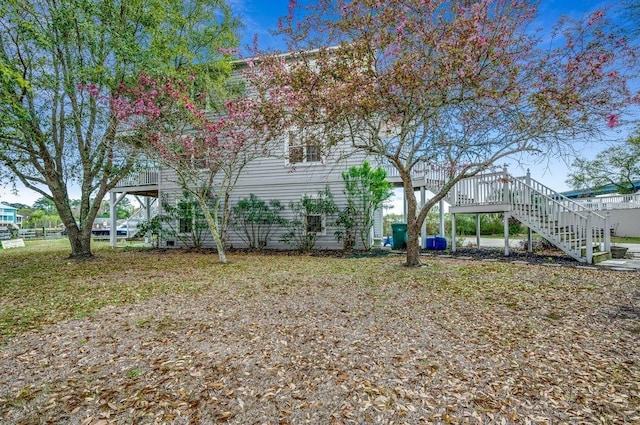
284, 342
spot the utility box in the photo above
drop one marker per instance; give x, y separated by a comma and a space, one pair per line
436, 243
399, 231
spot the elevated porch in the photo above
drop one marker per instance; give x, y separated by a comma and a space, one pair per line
570, 226
144, 186
143, 182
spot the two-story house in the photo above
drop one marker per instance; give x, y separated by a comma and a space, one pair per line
292, 170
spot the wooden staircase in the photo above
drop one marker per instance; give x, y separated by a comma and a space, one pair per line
576, 230
571, 227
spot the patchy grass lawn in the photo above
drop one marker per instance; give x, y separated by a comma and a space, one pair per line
625, 239
171, 337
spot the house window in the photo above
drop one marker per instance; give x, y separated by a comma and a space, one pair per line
296, 154
303, 152
199, 157
312, 153
315, 220
314, 223
190, 161
185, 222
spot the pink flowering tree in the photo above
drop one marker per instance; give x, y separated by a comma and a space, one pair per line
453, 86
205, 146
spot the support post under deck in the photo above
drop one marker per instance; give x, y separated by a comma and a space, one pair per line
113, 216
441, 204
147, 217
423, 227
453, 233
478, 231
506, 234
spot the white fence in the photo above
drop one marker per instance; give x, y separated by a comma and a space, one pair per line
612, 202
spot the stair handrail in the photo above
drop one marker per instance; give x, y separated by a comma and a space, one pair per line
557, 195
571, 225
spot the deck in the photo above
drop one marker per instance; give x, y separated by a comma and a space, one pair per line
142, 183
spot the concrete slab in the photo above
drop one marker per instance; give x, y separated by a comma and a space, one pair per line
631, 264
622, 269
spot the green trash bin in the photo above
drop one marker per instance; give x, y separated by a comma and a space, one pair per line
399, 235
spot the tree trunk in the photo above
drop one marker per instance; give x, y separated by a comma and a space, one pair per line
413, 228
79, 237
413, 245
80, 240
212, 222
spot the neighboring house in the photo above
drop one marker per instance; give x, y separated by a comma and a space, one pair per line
623, 210
9, 216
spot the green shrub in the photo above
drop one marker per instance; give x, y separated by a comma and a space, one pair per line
254, 219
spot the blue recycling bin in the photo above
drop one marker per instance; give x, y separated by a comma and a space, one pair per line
436, 243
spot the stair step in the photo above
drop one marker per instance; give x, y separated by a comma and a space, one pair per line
583, 249
598, 257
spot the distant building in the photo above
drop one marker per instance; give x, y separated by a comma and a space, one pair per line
9, 215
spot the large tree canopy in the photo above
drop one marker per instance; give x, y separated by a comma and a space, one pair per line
62, 64
455, 86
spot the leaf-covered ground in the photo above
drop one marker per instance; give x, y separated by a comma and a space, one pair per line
171, 337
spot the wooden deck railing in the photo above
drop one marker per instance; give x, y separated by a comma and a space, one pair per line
481, 189
146, 177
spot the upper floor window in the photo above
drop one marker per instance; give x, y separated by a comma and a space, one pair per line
191, 160
305, 151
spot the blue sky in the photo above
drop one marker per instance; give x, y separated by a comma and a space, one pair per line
261, 16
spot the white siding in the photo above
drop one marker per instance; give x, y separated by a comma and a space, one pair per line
271, 178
